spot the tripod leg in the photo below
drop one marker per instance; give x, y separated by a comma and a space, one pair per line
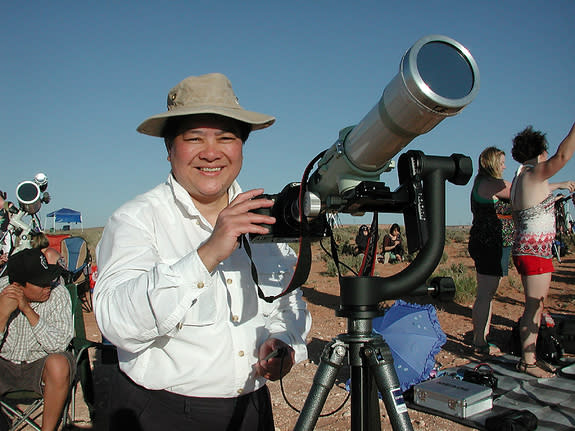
331, 361
380, 361
364, 401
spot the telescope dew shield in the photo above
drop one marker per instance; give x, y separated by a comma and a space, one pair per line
437, 78
29, 197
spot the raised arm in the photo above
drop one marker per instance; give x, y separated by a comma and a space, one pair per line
545, 170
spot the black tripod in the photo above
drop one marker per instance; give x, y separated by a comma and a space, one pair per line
371, 370
370, 359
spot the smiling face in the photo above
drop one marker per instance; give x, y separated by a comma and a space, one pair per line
206, 156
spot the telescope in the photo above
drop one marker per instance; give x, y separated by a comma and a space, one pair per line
437, 78
31, 194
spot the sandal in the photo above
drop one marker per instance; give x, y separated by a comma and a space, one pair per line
546, 366
533, 370
487, 350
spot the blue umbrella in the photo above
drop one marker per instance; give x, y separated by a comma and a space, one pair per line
414, 336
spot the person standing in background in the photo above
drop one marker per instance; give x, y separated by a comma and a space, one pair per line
534, 215
490, 240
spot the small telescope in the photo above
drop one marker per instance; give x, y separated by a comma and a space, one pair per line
31, 194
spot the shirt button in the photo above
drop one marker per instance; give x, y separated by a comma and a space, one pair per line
240, 390
241, 353
235, 318
180, 325
200, 285
229, 281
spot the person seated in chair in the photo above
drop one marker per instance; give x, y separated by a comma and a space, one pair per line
361, 239
36, 327
392, 249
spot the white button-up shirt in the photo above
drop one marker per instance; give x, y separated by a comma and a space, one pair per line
177, 326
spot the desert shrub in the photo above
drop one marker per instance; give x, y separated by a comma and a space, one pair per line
456, 235
515, 283
347, 248
346, 262
444, 257
331, 270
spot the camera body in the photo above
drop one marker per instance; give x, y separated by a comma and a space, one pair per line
286, 212
479, 376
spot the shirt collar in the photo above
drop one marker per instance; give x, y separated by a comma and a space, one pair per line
183, 197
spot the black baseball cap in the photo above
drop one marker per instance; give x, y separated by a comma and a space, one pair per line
30, 265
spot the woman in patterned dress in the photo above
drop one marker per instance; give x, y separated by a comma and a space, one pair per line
534, 217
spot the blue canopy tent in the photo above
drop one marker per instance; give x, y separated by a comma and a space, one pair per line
66, 215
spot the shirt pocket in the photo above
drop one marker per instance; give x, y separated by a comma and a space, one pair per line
274, 273
204, 309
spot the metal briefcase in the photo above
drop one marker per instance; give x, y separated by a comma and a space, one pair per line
453, 396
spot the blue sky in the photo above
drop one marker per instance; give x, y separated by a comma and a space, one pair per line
78, 77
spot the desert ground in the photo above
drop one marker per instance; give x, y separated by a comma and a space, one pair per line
321, 292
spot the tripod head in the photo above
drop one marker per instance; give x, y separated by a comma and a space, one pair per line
421, 198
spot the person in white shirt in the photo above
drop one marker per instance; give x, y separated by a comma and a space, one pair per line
175, 293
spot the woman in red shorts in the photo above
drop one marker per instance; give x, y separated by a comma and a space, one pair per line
534, 217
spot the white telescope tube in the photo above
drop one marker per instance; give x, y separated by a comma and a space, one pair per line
28, 194
437, 78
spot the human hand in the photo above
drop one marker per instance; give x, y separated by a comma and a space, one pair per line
9, 300
276, 366
236, 219
15, 295
3, 258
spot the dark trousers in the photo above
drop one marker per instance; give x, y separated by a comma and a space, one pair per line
132, 407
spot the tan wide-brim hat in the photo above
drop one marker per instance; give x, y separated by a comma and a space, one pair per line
204, 94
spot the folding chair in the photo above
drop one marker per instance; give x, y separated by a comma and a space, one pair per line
75, 251
80, 345
10, 407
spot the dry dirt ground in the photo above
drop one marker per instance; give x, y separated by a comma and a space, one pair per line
322, 295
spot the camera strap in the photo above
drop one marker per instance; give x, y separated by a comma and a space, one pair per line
303, 264
299, 277
367, 267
